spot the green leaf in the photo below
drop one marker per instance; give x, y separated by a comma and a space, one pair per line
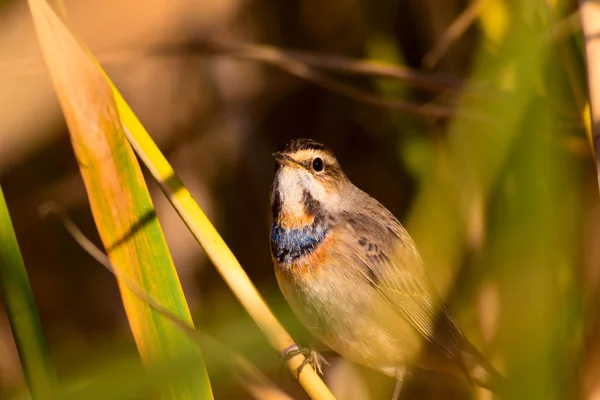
120, 203
22, 312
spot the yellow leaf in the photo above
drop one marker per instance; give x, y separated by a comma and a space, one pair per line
120, 202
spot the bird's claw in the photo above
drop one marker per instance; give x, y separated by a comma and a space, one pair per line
312, 357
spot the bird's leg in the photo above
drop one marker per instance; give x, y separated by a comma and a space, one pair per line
311, 355
397, 388
401, 374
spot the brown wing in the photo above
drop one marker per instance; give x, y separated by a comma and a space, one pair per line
393, 266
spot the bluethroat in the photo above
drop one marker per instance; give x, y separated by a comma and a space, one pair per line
354, 278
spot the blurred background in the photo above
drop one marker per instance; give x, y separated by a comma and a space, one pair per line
464, 118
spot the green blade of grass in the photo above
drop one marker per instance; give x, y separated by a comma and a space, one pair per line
22, 312
120, 203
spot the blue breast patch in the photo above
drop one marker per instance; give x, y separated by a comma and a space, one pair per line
290, 244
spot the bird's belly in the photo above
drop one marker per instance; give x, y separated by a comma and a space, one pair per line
349, 316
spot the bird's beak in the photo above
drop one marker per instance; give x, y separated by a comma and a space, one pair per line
284, 159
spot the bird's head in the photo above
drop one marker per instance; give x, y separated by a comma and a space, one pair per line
308, 180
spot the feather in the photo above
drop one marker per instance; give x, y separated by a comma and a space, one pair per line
393, 266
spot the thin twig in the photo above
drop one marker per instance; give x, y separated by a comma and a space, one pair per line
334, 63
305, 65
250, 377
349, 66
559, 30
291, 63
564, 28
458, 27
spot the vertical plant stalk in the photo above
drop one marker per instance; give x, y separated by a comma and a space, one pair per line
589, 12
120, 203
22, 313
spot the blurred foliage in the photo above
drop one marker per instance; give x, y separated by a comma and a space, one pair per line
501, 198
22, 313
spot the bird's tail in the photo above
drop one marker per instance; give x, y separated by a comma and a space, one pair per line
482, 372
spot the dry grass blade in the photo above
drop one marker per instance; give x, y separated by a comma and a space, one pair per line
300, 69
301, 65
262, 53
458, 27
339, 64
120, 201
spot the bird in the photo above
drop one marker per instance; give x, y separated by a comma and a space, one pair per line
353, 276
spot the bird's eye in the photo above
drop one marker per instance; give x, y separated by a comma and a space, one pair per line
318, 164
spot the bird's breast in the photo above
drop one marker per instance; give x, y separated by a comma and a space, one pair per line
326, 292
288, 245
